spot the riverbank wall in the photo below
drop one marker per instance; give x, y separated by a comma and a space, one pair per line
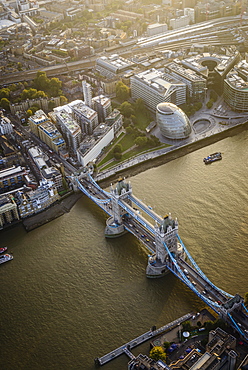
57, 210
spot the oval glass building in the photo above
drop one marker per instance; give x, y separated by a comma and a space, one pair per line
172, 121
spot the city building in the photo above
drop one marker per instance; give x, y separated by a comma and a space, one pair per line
8, 210
72, 132
212, 66
179, 22
85, 116
112, 65
87, 91
12, 178
102, 105
114, 119
195, 83
37, 119
172, 121
236, 87
5, 125
37, 200
156, 29
154, 87
92, 147
50, 135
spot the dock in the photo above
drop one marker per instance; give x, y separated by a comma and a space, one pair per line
125, 348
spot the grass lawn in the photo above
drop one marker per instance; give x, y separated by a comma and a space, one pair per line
132, 153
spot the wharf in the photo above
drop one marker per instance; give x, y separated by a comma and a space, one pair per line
139, 340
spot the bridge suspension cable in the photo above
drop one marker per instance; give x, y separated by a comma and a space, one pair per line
186, 281
98, 187
200, 271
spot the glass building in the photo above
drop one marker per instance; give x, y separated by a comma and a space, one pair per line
172, 121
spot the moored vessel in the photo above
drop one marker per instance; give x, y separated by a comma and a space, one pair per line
212, 158
5, 258
3, 249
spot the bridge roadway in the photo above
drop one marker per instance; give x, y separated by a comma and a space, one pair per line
188, 272
139, 340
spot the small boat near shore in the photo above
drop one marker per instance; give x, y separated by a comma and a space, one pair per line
212, 158
3, 249
6, 258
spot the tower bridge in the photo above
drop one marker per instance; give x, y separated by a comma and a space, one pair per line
167, 253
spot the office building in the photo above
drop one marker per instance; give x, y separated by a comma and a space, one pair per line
154, 87
236, 87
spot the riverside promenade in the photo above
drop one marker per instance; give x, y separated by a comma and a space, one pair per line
125, 348
221, 125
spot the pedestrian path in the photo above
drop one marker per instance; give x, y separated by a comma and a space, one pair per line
139, 340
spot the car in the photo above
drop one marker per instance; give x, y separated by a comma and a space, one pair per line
142, 236
147, 239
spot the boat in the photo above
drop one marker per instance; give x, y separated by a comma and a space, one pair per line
212, 158
3, 249
6, 258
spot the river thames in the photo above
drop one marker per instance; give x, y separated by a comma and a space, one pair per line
70, 295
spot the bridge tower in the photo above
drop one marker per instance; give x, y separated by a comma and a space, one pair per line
165, 234
114, 224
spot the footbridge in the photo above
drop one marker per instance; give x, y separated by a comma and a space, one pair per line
166, 250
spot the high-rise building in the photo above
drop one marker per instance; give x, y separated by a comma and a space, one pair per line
102, 105
87, 91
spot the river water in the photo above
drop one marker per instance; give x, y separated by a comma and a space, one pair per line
71, 295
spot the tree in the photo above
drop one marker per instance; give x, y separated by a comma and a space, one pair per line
117, 156
4, 103
157, 353
126, 109
122, 91
126, 122
209, 104
117, 148
166, 345
187, 326
134, 119
55, 87
29, 113
141, 141
4, 93
41, 81
139, 105
63, 100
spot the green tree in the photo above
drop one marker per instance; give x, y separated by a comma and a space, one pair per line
157, 353
55, 87
41, 82
141, 141
117, 156
166, 345
126, 109
4, 93
134, 119
126, 122
29, 113
34, 108
209, 325
139, 105
4, 103
63, 100
209, 104
117, 148
122, 91
187, 326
